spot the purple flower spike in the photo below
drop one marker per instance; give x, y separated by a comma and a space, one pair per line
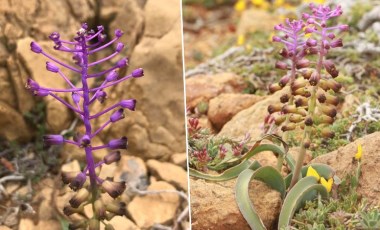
112, 76
53, 140
123, 62
51, 67
121, 143
138, 73
119, 47
117, 115
35, 47
128, 104
118, 33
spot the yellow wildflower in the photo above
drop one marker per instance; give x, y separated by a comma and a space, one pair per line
240, 5
279, 3
312, 172
327, 184
358, 155
241, 40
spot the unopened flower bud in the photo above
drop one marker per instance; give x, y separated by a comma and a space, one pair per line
281, 65
332, 84
112, 157
311, 50
76, 97
118, 33
94, 224
274, 108
112, 76
301, 102
284, 98
128, 104
100, 209
118, 208
329, 110
308, 121
122, 63
138, 73
101, 96
53, 140
315, 78
305, 16
279, 119
284, 80
114, 189
284, 53
54, 36
288, 127
121, 143
289, 109
31, 85
323, 119
301, 92
327, 133
67, 177
78, 181
321, 97
82, 224
333, 100
309, 30
35, 47
278, 27
51, 67
41, 92
295, 118
330, 68
331, 35
119, 47
303, 63
276, 39
81, 196
306, 73
85, 141
117, 115
274, 87
343, 27
301, 111
311, 42
298, 83
307, 143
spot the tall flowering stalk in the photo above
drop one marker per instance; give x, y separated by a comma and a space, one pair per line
312, 103
86, 43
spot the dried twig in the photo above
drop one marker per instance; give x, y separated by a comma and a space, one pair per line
364, 112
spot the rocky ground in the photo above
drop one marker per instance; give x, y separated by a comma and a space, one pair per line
32, 195
226, 91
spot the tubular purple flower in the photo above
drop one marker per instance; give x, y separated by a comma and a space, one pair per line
138, 73
118, 33
31, 85
305, 16
75, 97
119, 47
117, 115
112, 76
54, 36
121, 143
336, 43
51, 67
78, 181
112, 157
123, 62
343, 27
278, 27
331, 35
53, 140
35, 47
81, 196
311, 42
101, 96
41, 92
276, 39
128, 104
281, 65
114, 189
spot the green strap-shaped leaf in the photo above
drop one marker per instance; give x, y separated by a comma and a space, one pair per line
305, 189
228, 174
266, 174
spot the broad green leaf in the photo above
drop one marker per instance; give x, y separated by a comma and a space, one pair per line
266, 174
306, 189
228, 174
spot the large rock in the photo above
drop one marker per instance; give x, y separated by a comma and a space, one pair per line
213, 205
169, 172
154, 208
204, 87
223, 107
250, 120
341, 161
